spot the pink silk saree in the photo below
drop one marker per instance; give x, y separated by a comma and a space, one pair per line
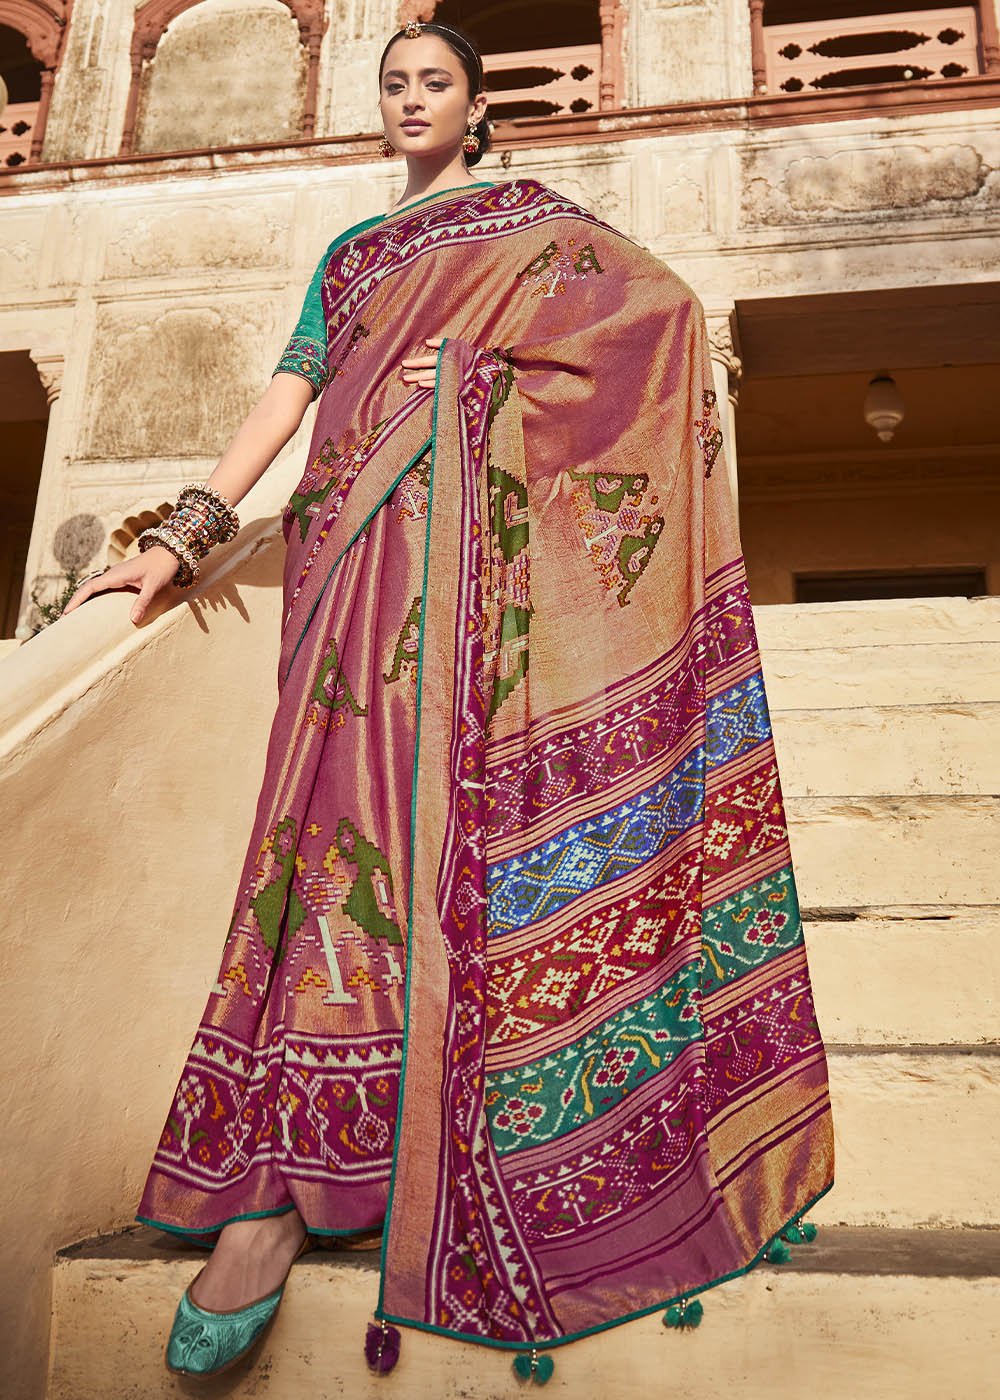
516, 964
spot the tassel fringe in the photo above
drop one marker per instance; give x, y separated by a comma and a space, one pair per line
687, 1313
532, 1367
799, 1232
382, 1344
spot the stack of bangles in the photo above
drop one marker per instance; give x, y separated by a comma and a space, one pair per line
201, 519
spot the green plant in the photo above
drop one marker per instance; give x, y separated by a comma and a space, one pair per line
49, 612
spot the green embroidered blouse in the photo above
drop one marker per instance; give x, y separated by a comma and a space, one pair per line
306, 351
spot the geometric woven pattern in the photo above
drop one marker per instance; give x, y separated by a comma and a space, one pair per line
527, 888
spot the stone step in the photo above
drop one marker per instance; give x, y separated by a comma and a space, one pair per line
894, 622
874, 1314
871, 851
916, 1139
889, 750
924, 976
922, 673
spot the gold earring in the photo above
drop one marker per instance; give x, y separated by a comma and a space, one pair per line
470, 141
386, 149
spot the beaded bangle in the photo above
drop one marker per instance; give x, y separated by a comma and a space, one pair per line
201, 519
188, 572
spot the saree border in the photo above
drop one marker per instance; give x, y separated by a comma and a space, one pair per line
546, 1344
379, 1313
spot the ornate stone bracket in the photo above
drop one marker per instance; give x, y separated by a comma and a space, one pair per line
49, 364
43, 24
151, 21
723, 351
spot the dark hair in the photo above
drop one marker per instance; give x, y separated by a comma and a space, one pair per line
465, 50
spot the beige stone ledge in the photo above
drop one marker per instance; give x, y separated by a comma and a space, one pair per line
889, 750
918, 673
859, 1330
853, 851
916, 1140
894, 622
908, 981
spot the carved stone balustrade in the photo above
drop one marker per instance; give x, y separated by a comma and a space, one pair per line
865, 49
544, 82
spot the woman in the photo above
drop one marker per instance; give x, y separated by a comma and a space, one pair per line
515, 967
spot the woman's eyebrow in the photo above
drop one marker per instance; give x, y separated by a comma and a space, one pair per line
424, 72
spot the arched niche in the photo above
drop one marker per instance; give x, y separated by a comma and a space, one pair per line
208, 73
43, 24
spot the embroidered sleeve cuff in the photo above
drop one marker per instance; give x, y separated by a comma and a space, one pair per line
306, 358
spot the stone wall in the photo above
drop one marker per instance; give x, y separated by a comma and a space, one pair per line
225, 72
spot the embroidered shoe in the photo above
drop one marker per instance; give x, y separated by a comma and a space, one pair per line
204, 1343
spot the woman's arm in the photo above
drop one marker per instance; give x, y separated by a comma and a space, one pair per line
257, 441
269, 425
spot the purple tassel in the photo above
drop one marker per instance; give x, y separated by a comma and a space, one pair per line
381, 1347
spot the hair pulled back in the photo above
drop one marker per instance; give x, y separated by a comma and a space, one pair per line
465, 50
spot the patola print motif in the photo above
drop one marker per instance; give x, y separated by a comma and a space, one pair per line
517, 925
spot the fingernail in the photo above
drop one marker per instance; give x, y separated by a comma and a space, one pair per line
135, 616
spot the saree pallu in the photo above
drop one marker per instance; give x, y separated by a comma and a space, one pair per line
516, 965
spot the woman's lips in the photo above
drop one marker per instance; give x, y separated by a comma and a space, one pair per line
414, 126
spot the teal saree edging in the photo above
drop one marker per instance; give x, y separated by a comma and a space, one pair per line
359, 531
551, 1342
413, 826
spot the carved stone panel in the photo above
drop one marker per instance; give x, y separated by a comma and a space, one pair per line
190, 237
784, 185
175, 381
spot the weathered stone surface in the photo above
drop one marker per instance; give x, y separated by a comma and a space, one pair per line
934, 673
681, 50
190, 236
861, 177
858, 1334
894, 623
874, 751
175, 381
19, 262
916, 1140
851, 851
908, 977
601, 185
225, 72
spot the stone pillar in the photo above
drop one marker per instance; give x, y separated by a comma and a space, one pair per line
727, 370
49, 364
42, 116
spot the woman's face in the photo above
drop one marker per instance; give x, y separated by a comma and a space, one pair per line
424, 98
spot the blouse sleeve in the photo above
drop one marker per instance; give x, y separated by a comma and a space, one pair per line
305, 353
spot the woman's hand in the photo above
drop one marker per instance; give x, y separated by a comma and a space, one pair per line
148, 572
421, 370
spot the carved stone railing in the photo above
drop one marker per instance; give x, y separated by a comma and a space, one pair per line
888, 48
544, 82
17, 131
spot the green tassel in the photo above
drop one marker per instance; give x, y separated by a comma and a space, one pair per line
778, 1253
530, 1366
693, 1313
808, 1232
793, 1235
684, 1314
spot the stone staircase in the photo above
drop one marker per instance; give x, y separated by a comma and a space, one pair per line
887, 719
